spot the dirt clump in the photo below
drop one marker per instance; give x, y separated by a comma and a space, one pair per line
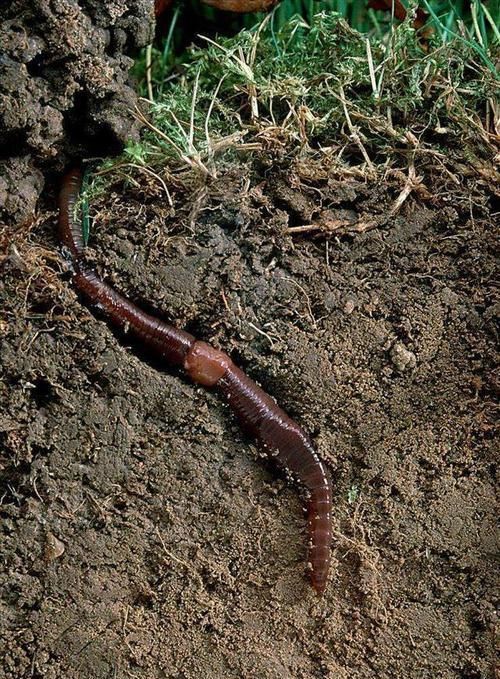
64, 88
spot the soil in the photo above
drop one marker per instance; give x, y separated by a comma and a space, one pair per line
145, 536
64, 88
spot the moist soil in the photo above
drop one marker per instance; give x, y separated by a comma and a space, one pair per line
65, 90
145, 536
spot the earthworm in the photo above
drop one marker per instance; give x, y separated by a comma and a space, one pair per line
239, 6
259, 415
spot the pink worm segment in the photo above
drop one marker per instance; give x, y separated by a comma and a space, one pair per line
259, 415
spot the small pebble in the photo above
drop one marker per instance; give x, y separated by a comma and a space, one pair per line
349, 306
402, 358
54, 548
449, 297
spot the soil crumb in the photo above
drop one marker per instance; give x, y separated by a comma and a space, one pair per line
64, 88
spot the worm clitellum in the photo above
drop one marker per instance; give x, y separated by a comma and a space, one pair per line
257, 412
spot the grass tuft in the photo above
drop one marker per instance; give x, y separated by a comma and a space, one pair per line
318, 85
369, 104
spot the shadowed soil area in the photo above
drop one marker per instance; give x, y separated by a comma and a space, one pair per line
145, 536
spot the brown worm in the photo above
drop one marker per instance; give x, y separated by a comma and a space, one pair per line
259, 415
239, 6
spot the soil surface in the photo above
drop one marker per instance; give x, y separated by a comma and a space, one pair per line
64, 88
144, 535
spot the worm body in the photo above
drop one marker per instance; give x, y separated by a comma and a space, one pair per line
259, 415
287, 443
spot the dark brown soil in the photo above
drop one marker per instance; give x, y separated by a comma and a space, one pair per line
143, 536
64, 88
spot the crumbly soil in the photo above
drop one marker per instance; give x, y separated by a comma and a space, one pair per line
144, 536
64, 88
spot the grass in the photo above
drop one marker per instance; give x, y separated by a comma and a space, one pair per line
448, 17
370, 100
475, 22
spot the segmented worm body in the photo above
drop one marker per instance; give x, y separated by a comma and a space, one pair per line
257, 412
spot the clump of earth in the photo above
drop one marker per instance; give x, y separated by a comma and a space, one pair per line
65, 89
